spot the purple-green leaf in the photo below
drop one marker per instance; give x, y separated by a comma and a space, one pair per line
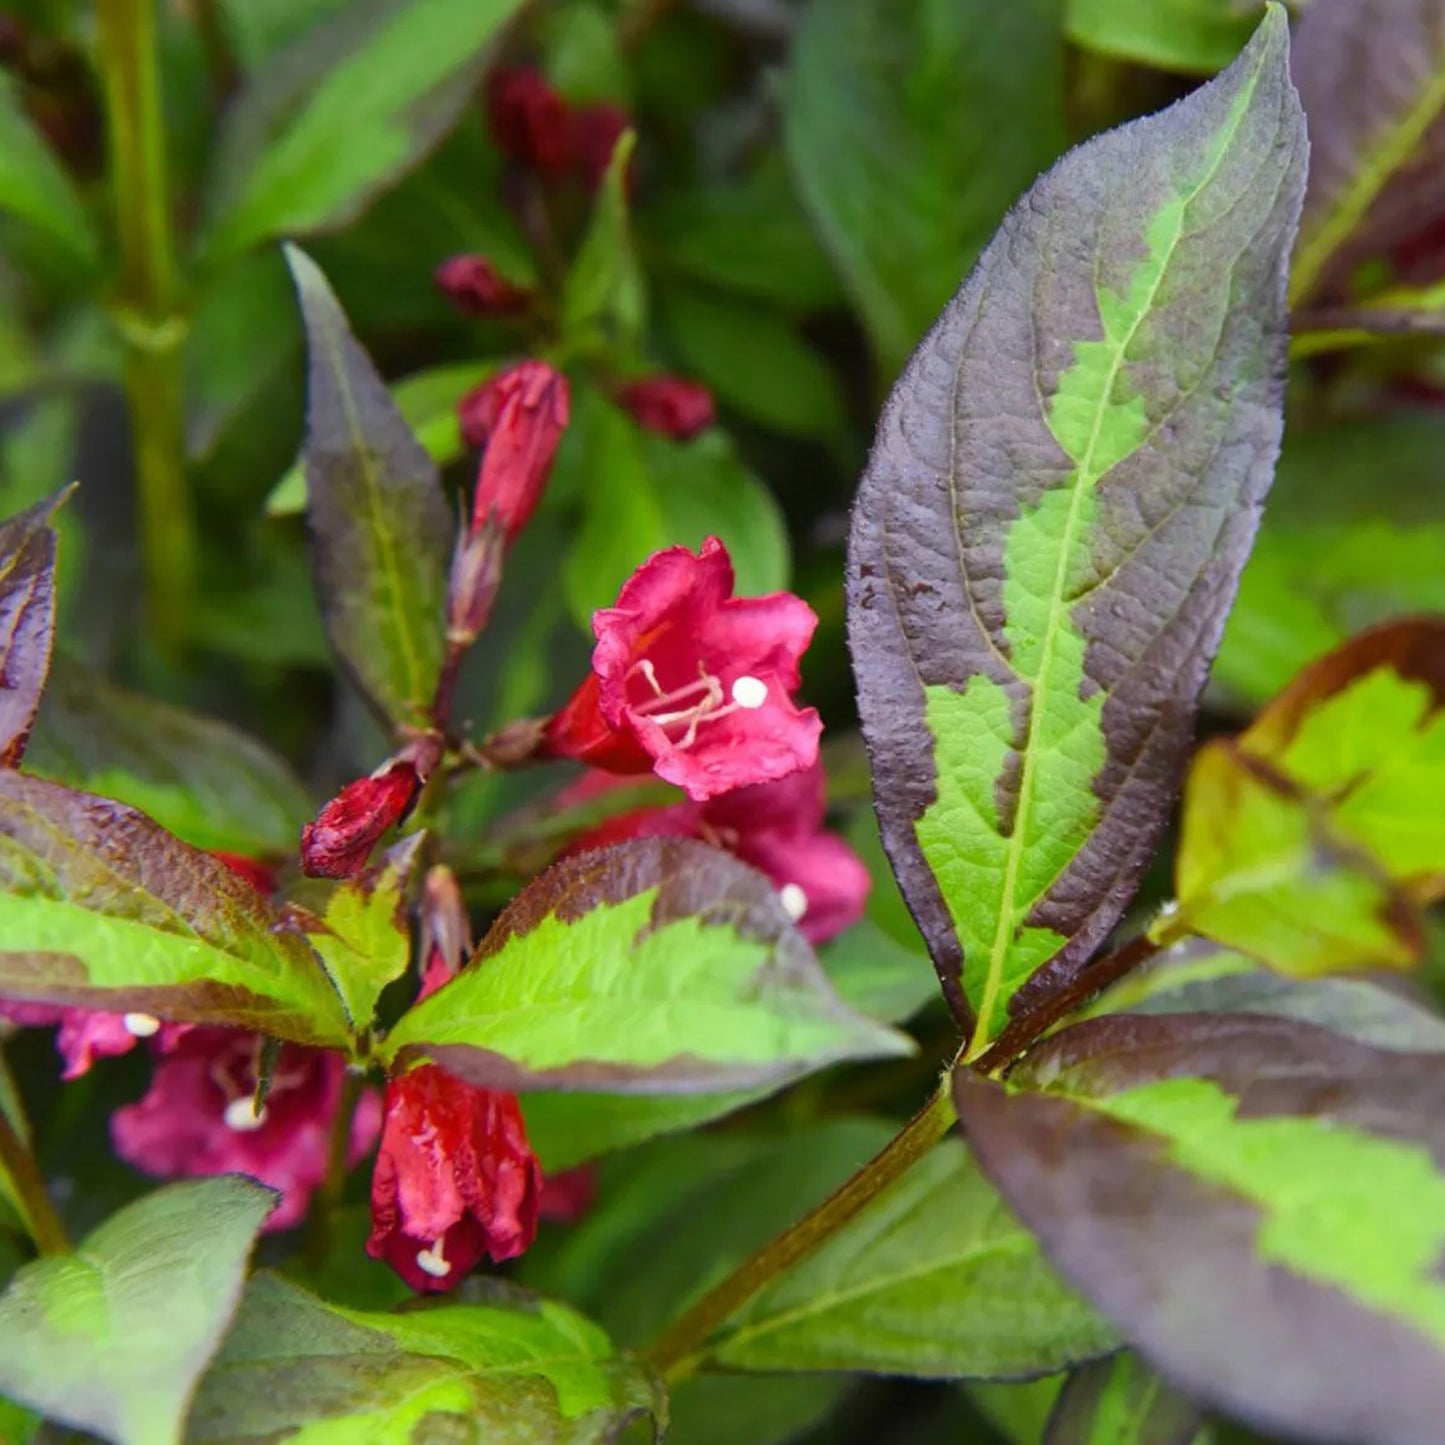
1311, 840
102, 908
1371, 74
381, 533
27, 622
1047, 539
1258, 1204
657, 966
1120, 1401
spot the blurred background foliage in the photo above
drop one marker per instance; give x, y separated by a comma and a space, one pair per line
811, 180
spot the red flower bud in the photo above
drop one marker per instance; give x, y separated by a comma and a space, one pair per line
446, 928
476, 577
338, 843
596, 129
476, 288
529, 120
528, 410
455, 1179
669, 405
261, 876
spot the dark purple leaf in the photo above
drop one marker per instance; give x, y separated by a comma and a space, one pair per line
1371, 75
27, 621
381, 534
1061, 496
1258, 1204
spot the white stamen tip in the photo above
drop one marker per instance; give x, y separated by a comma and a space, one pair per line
433, 1262
241, 1115
794, 901
750, 692
141, 1026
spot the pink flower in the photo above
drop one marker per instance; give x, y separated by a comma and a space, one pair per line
198, 1118
339, 841
476, 288
775, 827
691, 682
530, 122
595, 131
85, 1035
455, 1179
525, 411
669, 405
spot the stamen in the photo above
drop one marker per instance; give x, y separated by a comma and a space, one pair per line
141, 1026
433, 1262
794, 901
241, 1114
750, 692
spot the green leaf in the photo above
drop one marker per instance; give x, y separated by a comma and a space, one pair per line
501, 1366
1260, 870
755, 361
641, 492
113, 1338
706, 490
778, 1409
675, 1217
244, 339
207, 782
1199, 36
570, 1129
105, 909
891, 120
1044, 552
749, 236
604, 298
1120, 1401
1332, 556
622, 518
877, 975
657, 966
27, 622
1363, 730
1256, 1203
1309, 841
428, 403
935, 1278
342, 113
1374, 162
363, 938
35, 187
380, 528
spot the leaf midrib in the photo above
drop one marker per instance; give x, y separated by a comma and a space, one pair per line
1085, 480
386, 549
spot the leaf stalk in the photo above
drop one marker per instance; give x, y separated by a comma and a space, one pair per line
28, 1186
681, 1349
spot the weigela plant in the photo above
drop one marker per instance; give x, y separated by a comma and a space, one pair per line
574, 1058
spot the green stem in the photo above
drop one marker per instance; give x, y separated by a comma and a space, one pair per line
682, 1349
152, 324
18, 1165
